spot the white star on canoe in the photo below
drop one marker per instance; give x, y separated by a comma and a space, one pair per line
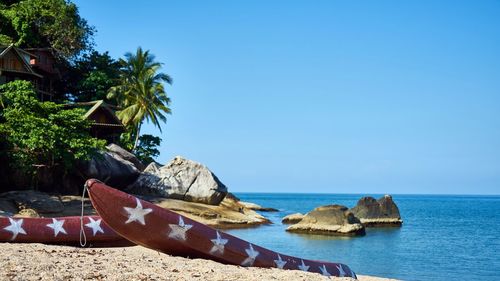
279, 262
137, 213
324, 271
252, 254
303, 266
95, 225
219, 244
341, 270
178, 231
16, 227
57, 226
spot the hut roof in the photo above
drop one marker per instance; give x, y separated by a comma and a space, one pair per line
93, 107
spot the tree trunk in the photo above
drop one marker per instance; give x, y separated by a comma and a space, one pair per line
138, 133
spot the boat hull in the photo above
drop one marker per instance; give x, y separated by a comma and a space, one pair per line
148, 225
60, 230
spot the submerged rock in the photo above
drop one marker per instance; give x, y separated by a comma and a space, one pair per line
381, 212
256, 207
329, 220
180, 179
292, 218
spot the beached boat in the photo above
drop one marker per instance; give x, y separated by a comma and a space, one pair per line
61, 230
151, 226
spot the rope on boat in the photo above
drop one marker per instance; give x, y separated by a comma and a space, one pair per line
83, 236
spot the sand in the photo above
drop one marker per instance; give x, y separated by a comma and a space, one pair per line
49, 262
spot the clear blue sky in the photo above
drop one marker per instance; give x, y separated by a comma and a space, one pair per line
324, 96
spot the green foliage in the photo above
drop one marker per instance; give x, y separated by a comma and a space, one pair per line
147, 149
6, 29
46, 23
5, 40
127, 139
141, 93
43, 133
92, 75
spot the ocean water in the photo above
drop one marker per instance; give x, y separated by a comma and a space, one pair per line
442, 237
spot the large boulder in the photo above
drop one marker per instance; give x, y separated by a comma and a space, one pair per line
180, 179
110, 167
292, 218
7, 207
124, 154
329, 220
381, 212
31, 202
228, 214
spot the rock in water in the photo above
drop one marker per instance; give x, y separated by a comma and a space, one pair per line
293, 218
381, 212
257, 207
180, 179
329, 220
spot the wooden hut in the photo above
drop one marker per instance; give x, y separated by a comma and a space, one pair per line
37, 65
105, 124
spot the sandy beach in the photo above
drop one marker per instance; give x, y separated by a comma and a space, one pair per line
49, 262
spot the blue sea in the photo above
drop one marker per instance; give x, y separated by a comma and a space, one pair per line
442, 237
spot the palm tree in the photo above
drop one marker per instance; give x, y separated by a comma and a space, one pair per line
141, 94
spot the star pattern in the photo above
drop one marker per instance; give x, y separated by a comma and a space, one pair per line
341, 270
219, 244
279, 262
324, 271
137, 213
16, 227
57, 226
303, 266
95, 225
178, 231
252, 254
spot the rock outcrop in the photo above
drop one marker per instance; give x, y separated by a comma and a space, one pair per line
124, 154
228, 214
111, 168
381, 212
329, 220
181, 179
7, 208
182, 185
293, 218
29, 203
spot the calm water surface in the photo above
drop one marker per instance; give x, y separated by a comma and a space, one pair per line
442, 238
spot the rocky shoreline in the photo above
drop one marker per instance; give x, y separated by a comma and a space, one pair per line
228, 214
182, 185
190, 189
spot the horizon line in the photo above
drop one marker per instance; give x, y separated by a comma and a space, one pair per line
368, 193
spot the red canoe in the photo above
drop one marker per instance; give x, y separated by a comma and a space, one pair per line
151, 226
61, 230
